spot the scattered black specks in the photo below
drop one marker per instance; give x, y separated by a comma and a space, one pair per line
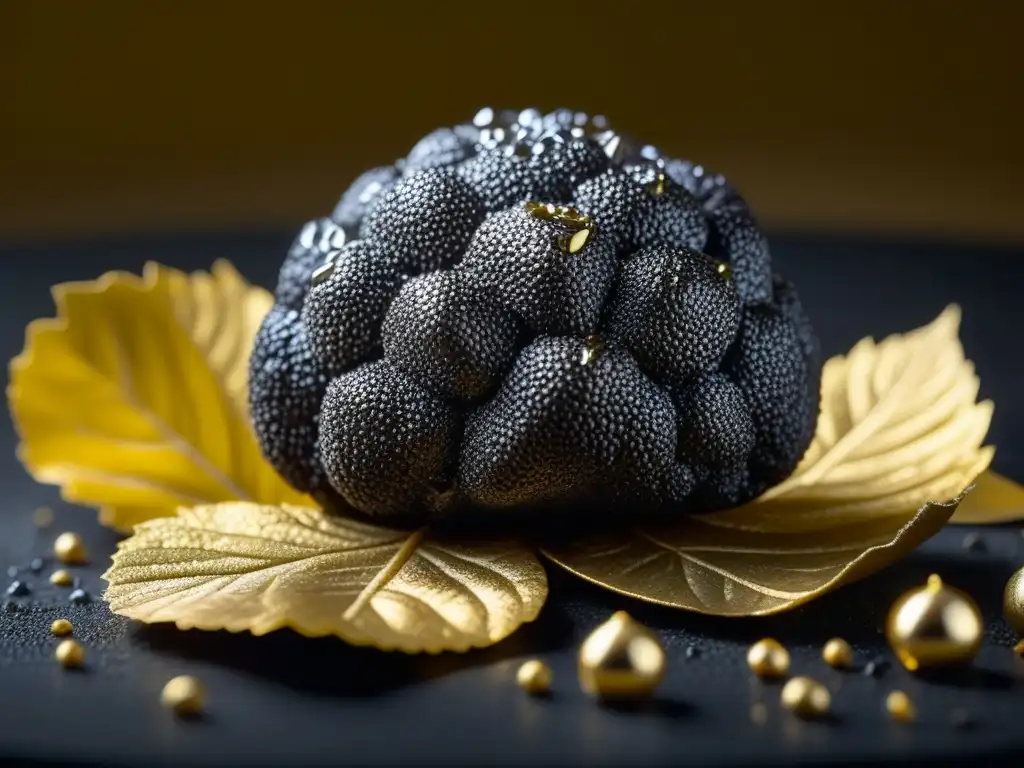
12, 571
692, 652
36, 565
963, 720
18, 589
973, 542
80, 596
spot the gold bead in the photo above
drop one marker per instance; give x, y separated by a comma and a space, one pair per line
69, 548
534, 677
806, 697
61, 628
933, 626
621, 658
573, 242
43, 517
184, 694
1019, 648
70, 654
767, 658
1013, 602
837, 653
62, 578
900, 707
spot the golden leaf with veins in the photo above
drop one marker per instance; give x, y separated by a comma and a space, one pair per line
995, 499
238, 566
133, 398
900, 429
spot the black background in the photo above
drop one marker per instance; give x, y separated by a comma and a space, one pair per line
282, 699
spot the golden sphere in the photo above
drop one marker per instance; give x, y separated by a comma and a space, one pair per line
62, 578
1013, 602
621, 658
61, 628
70, 654
837, 653
900, 707
184, 694
69, 548
768, 658
806, 697
534, 677
933, 626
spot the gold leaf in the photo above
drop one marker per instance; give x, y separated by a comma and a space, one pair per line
133, 398
239, 566
900, 429
995, 499
899, 426
711, 569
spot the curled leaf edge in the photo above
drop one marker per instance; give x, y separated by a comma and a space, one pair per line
837, 581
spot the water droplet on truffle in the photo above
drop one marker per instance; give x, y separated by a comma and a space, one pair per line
321, 274
593, 347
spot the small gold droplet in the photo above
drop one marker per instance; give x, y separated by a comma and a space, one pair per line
724, 270
837, 653
42, 517
62, 578
768, 658
1019, 648
806, 697
657, 187
573, 242
61, 628
1013, 602
534, 677
593, 346
184, 695
621, 658
900, 707
70, 654
934, 625
69, 548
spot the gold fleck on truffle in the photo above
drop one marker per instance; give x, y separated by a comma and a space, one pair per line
184, 695
62, 578
534, 677
1013, 602
61, 628
593, 347
767, 658
657, 187
934, 626
1019, 648
837, 653
900, 707
69, 548
806, 697
574, 242
42, 517
621, 658
70, 654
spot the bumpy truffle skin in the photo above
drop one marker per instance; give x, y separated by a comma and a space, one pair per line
445, 335
516, 257
386, 441
425, 222
286, 384
564, 428
344, 313
362, 197
317, 239
535, 314
676, 311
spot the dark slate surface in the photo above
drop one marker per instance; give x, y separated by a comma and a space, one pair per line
283, 699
